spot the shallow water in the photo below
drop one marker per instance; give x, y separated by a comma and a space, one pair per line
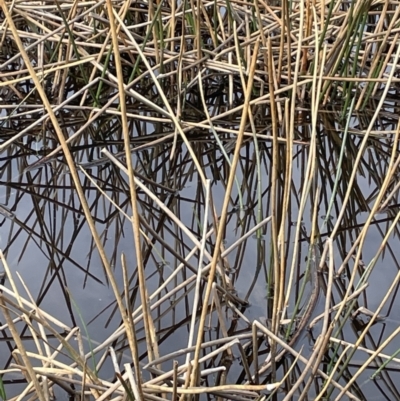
47, 241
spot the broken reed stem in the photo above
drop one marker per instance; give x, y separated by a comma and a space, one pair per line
21, 348
78, 360
296, 354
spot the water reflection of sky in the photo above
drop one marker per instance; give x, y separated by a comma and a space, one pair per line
37, 260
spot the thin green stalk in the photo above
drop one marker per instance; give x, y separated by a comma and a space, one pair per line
75, 47
75, 305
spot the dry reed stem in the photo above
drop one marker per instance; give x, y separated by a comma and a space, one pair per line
197, 293
151, 341
216, 255
299, 356
371, 216
21, 350
70, 161
165, 209
136, 388
288, 65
